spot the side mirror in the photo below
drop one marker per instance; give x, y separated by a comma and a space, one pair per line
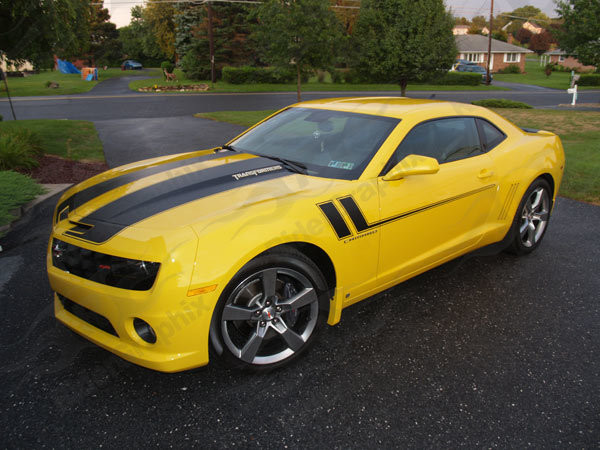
413, 165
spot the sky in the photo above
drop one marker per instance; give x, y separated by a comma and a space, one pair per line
120, 9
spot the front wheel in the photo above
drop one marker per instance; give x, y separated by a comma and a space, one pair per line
270, 312
531, 219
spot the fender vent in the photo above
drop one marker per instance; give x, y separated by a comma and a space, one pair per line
509, 198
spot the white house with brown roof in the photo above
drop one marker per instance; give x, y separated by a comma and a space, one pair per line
474, 47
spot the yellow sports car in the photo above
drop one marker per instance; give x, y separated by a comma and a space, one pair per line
242, 252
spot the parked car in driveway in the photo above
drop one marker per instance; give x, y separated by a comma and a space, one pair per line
475, 69
243, 252
131, 64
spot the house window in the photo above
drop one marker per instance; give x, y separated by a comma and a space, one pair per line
474, 57
561, 58
512, 57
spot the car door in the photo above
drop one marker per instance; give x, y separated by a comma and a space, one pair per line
432, 217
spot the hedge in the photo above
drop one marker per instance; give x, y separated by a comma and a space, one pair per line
249, 74
589, 80
501, 103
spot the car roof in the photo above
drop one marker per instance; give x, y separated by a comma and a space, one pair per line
397, 107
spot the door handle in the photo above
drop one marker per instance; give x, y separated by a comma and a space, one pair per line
485, 173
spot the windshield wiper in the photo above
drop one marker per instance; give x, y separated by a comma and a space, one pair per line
290, 165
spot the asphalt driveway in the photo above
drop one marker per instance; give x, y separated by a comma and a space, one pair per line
489, 351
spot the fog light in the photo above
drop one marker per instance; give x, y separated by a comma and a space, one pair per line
144, 330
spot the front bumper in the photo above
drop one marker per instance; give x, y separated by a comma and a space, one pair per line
181, 323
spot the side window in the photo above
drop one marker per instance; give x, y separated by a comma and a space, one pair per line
490, 135
443, 139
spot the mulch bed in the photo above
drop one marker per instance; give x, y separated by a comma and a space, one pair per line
56, 170
177, 88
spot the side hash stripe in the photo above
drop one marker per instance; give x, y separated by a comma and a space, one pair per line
335, 219
113, 217
84, 196
361, 224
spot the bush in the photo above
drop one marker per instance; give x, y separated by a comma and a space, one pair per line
249, 74
195, 69
589, 80
457, 78
352, 77
168, 66
511, 68
19, 149
337, 76
501, 103
1, 118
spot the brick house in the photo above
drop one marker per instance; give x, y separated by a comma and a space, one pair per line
562, 58
474, 47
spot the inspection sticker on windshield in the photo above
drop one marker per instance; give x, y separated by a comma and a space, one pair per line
341, 165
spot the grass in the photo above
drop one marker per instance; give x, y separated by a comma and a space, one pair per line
578, 130
15, 190
312, 85
73, 139
35, 85
535, 75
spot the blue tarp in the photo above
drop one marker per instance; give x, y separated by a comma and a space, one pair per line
66, 67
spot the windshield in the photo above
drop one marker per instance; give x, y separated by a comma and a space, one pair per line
330, 144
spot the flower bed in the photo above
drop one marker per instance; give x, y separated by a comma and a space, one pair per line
176, 88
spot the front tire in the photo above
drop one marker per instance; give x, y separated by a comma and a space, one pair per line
532, 217
270, 312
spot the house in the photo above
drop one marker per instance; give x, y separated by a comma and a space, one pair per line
562, 58
485, 31
534, 28
460, 30
474, 47
6, 67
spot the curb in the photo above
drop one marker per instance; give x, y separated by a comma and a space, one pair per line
18, 213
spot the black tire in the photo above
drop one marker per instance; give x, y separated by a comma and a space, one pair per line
260, 330
530, 223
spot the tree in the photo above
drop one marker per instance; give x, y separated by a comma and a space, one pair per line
520, 15
138, 40
35, 30
302, 33
479, 22
104, 44
160, 18
540, 43
404, 40
523, 36
580, 32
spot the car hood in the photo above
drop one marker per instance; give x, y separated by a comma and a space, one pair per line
179, 191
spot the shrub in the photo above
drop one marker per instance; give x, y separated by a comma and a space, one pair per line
19, 149
457, 78
511, 68
336, 76
168, 66
589, 80
352, 77
1, 118
195, 69
501, 103
249, 74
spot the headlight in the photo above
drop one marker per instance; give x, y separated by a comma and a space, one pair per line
106, 269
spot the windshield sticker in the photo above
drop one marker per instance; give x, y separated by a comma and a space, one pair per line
341, 165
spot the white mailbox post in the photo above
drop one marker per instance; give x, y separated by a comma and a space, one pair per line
573, 91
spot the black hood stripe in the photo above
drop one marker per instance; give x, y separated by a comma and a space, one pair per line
84, 196
110, 219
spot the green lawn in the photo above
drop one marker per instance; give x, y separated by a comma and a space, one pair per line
578, 131
312, 85
68, 83
73, 139
15, 190
535, 75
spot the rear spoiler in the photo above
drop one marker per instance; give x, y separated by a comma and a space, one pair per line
532, 130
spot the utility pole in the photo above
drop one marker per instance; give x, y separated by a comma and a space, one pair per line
489, 55
211, 43
3, 78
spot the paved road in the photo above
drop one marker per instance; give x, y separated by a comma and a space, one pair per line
493, 351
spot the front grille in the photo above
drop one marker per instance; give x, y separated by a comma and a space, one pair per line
111, 270
87, 315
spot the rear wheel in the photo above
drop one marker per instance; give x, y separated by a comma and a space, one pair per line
271, 311
531, 219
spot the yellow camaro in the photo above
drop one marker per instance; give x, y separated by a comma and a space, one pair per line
242, 252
